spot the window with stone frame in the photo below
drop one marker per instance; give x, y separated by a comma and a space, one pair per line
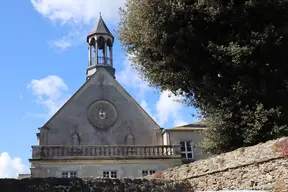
148, 172
187, 149
110, 174
69, 174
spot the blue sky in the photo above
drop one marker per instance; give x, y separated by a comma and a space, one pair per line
43, 61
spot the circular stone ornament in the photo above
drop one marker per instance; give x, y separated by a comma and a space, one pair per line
102, 114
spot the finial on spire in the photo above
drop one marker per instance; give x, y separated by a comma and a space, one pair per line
100, 14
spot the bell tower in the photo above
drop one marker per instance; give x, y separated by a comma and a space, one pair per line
100, 49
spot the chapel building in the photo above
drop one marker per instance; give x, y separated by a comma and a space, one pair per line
101, 131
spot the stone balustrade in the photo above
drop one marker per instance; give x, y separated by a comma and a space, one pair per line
105, 152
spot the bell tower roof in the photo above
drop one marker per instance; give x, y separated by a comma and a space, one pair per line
100, 28
100, 49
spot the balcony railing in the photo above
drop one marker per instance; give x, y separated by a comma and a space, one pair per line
105, 152
101, 61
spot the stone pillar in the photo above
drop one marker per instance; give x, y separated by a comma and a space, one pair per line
96, 53
111, 55
105, 53
89, 55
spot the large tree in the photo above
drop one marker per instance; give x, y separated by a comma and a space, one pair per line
228, 58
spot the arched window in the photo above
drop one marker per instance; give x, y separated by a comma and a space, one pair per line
101, 43
109, 43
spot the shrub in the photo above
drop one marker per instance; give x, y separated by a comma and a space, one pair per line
282, 147
158, 175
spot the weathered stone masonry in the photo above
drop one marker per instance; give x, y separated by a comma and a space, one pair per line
90, 185
259, 167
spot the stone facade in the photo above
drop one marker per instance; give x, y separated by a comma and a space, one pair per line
94, 168
189, 133
78, 134
102, 123
78, 122
260, 167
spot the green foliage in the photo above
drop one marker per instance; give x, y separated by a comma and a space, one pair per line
228, 58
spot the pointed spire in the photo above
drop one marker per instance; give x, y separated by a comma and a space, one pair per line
101, 28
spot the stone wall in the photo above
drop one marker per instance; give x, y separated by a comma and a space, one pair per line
91, 185
260, 167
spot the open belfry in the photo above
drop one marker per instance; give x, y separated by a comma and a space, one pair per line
101, 131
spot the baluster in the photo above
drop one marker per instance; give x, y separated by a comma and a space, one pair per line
50, 151
105, 151
125, 151
114, 151
47, 152
164, 150
71, 149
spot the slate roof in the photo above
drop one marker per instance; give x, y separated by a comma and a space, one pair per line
200, 125
101, 28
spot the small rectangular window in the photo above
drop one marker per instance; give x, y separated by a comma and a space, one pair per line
65, 174
69, 174
187, 149
148, 172
152, 172
73, 174
113, 174
144, 173
106, 174
110, 174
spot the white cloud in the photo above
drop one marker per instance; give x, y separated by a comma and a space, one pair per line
179, 122
73, 37
11, 167
77, 14
78, 11
62, 43
130, 77
169, 107
49, 92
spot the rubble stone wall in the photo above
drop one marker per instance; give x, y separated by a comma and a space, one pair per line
90, 185
260, 167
